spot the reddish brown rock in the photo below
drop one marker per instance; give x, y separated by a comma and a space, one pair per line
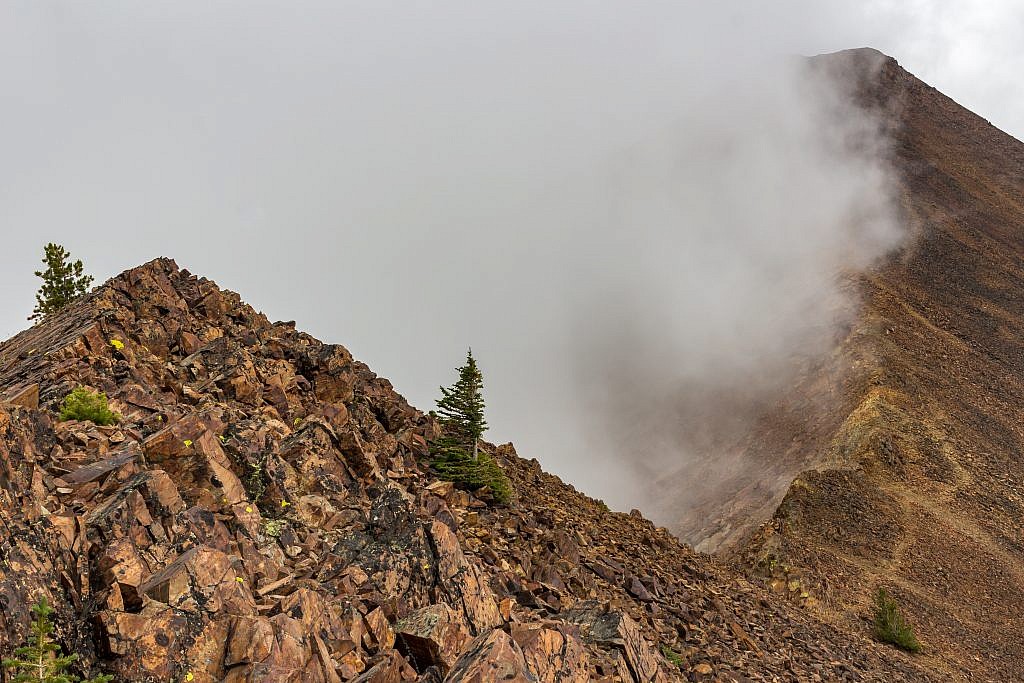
26, 397
265, 512
463, 579
177, 439
432, 636
393, 669
251, 642
601, 625
380, 630
201, 578
493, 656
93, 471
552, 656
358, 455
146, 644
122, 566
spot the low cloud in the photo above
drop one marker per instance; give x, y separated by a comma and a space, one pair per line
635, 214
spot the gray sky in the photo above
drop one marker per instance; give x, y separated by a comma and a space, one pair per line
567, 187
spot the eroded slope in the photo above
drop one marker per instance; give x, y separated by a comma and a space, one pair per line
915, 478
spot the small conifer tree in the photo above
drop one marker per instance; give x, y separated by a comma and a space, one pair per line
890, 626
41, 660
461, 407
63, 281
456, 455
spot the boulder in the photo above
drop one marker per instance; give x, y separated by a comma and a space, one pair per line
551, 655
492, 656
24, 396
432, 636
463, 579
611, 627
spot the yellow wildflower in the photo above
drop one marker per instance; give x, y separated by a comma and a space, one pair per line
117, 344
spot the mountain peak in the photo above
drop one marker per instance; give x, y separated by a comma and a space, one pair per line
895, 463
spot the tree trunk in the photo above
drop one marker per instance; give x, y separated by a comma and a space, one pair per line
475, 445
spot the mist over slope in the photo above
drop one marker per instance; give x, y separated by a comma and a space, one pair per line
895, 462
560, 187
735, 282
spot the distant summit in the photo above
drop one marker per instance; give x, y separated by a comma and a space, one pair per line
898, 463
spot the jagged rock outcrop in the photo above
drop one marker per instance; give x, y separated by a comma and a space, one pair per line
264, 511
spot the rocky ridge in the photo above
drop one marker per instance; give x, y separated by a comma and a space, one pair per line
264, 511
921, 489
896, 462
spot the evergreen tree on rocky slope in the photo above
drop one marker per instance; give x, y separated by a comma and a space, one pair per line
41, 659
63, 281
461, 408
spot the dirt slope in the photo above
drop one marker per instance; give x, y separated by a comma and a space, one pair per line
912, 475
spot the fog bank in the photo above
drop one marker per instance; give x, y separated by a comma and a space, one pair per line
624, 209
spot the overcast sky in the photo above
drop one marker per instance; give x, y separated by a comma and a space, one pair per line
410, 178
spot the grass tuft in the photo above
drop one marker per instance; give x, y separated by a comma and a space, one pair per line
274, 527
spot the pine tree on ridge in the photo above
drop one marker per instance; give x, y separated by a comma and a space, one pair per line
461, 407
63, 281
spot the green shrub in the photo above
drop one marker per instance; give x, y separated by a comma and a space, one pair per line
41, 659
672, 656
890, 626
458, 466
274, 527
82, 404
